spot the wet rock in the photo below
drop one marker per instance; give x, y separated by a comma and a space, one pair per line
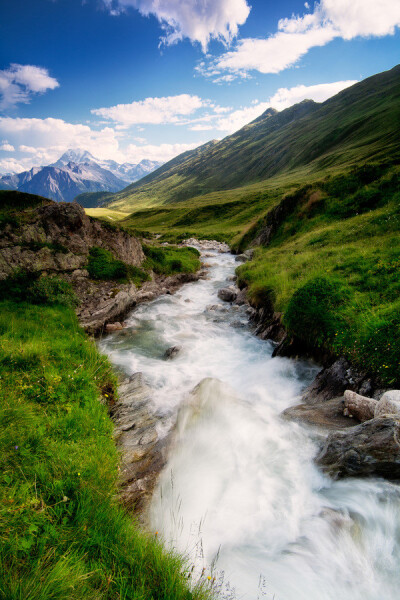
334, 380
327, 415
143, 453
360, 407
114, 326
227, 294
369, 449
389, 404
241, 258
172, 352
241, 297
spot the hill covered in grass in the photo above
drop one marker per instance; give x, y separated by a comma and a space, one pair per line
360, 123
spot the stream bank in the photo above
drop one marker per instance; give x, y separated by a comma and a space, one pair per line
239, 493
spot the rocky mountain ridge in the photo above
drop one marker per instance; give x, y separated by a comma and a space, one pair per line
74, 173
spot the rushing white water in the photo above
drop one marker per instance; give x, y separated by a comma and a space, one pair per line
240, 495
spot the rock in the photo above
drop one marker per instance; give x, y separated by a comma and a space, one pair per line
241, 297
172, 352
334, 380
389, 404
241, 258
227, 294
358, 406
369, 449
249, 253
143, 454
328, 415
114, 326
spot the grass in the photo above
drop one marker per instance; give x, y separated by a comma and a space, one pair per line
167, 260
343, 235
103, 266
62, 533
106, 213
357, 125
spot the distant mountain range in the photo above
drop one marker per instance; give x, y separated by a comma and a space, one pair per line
77, 172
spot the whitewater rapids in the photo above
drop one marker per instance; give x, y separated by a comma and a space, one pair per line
240, 495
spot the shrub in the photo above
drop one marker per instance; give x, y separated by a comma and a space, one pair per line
102, 265
168, 259
29, 286
314, 311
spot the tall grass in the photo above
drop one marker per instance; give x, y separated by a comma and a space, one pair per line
62, 533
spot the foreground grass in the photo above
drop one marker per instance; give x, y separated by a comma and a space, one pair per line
333, 268
62, 534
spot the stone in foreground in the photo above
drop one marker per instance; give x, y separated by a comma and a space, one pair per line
389, 404
369, 449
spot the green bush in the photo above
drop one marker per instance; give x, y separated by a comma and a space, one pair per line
102, 265
314, 312
167, 260
29, 286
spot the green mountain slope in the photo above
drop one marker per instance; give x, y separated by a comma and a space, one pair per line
360, 123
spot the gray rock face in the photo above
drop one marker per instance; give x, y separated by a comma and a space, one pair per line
389, 404
332, 382
227, 294
325, 415
65, 225
143, 453
369, 449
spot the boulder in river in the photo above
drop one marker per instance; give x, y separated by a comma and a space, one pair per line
369, 449
389, 404
358, 406
228, 294
172, 352
117, 326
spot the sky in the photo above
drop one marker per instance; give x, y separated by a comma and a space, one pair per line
148, 79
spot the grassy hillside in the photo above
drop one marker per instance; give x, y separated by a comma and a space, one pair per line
332, 268
359, 124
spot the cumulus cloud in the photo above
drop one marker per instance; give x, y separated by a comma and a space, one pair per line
19, 83
198, 20
285, 97
168, 109
298, 34
162, 152
42, 141
6, 147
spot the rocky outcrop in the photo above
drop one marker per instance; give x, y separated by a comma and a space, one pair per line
56, 238
372, 448
106, 301
143, 453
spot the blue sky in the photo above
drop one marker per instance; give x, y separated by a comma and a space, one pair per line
133, 79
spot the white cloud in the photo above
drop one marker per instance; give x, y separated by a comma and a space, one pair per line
42, 141
285, 97
200, 127
6, 147
169, 109
163, 152
10, 165
282, 99
19, 82
198, 20
298, 34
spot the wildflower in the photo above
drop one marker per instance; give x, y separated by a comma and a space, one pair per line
16, 447
156, 533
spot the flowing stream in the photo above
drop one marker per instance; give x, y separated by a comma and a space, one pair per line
240, 495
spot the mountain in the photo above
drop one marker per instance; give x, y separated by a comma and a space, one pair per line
361, 123
76, 172
128, 172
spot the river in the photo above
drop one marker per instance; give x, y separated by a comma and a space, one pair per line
240, 495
